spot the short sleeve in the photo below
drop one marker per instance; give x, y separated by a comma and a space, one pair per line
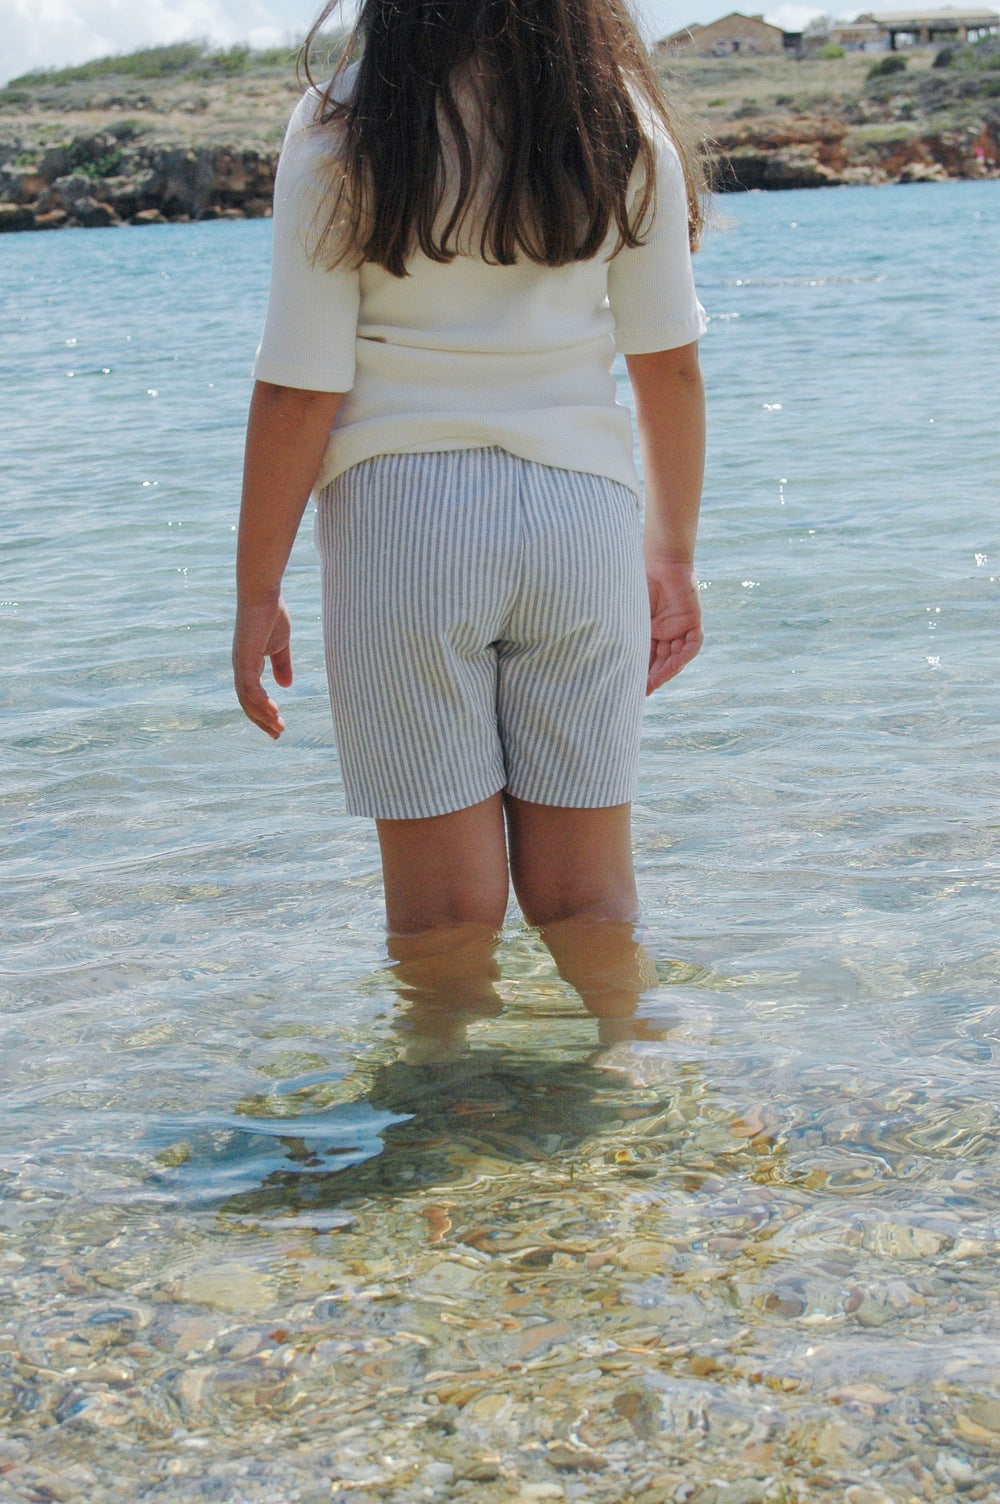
651, 287
310, 331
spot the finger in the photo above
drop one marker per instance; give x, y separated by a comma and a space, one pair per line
659, 672
281, 666
268, 720
259, 707
669, 656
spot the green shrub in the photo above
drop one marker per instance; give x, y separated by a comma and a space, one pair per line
887, 65
944, 58
127, 130
193, 58
276, 57
229, 63
148, 62
831, 50
103, 165
821, 99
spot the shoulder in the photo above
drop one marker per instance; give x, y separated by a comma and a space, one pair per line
307, 116
653, 127
668, 168
310, 141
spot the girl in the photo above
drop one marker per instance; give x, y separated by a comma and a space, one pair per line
468, 222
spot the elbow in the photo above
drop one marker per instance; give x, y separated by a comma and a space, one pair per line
666, 379
294, 405
680, 365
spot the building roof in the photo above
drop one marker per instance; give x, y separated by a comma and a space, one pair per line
732, 15
739, 15
971, 16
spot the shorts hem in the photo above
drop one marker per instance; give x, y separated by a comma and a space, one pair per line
393, 809
571, 801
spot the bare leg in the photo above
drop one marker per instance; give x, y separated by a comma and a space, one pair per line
573, 876
572, 863
446, 870
445, 896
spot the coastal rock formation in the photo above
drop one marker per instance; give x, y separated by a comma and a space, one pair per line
148, 137
93, 181
813, 153
100, 180
799, 154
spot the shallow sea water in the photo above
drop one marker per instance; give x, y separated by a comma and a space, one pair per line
253, 1249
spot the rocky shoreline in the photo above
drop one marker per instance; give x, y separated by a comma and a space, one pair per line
67, 187
828, 153
70, 185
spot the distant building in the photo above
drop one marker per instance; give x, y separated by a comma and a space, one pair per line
733, 33
873, 31
925, 28
859, 36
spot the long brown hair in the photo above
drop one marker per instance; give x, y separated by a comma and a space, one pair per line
558, 86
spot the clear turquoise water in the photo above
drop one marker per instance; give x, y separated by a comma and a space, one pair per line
204, 1127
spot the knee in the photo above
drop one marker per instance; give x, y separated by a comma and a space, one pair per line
565, 902
571, 863
551, 893
445, 870
421, 913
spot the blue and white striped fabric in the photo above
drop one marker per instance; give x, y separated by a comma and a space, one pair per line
487, 627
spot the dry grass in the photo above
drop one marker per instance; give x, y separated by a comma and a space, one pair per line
247, 111
202, 103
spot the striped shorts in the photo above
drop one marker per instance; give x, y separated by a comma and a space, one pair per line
486, 623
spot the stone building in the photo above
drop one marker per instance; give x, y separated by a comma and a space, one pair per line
732, 33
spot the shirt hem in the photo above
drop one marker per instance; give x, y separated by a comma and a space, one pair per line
540, 454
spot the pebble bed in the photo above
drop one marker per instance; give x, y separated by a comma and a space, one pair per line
589, 1275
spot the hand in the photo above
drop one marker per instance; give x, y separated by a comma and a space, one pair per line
675, 613
262, 631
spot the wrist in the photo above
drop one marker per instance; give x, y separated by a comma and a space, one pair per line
258, 598
664, 558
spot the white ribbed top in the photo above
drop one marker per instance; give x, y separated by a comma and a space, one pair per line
464, 354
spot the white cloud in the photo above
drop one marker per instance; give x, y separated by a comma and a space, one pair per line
792, 17
57, 33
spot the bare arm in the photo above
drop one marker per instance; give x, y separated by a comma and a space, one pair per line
670, 408
287, 432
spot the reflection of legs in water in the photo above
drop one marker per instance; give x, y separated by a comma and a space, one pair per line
608, 965
446, 975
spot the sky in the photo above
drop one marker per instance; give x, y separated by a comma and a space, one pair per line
56, 33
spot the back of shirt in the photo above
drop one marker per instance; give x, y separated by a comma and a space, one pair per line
464, 353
